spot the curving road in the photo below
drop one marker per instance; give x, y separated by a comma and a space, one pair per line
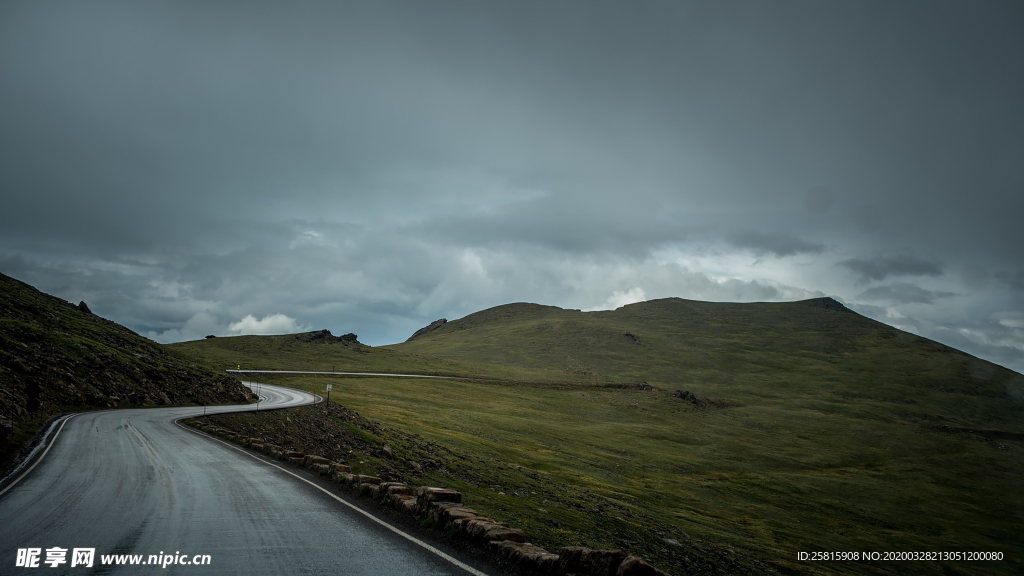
134, 482
385, 374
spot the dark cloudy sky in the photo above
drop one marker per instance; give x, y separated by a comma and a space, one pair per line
199, 167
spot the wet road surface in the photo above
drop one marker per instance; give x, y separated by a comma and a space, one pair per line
134, 482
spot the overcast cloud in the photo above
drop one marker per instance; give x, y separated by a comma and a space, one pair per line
190, 168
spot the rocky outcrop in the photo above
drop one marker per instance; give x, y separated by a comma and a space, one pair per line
427, 329
635, 566
829, 304
705, 401
325, 337
685, 395
317, 336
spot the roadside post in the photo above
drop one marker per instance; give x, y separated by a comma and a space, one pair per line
328, 394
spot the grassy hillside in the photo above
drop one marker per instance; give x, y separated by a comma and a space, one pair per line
808, 427
56, 357
323, 351
674, 342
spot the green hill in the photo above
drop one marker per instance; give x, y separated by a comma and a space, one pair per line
750, 352
56, 357
689, 432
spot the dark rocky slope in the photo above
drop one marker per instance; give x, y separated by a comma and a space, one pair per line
59, 357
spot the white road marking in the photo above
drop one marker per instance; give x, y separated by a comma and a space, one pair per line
40, 459
408, 537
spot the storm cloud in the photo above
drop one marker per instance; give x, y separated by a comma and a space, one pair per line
902, 293
368, 167
882, 268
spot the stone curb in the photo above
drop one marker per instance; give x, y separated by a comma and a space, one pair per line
444, 508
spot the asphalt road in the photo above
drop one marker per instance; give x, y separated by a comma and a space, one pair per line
134, 482
386, 374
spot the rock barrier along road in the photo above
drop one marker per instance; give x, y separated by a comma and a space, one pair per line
134, 482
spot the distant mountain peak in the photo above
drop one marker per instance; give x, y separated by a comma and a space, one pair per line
829, 303
428, 328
